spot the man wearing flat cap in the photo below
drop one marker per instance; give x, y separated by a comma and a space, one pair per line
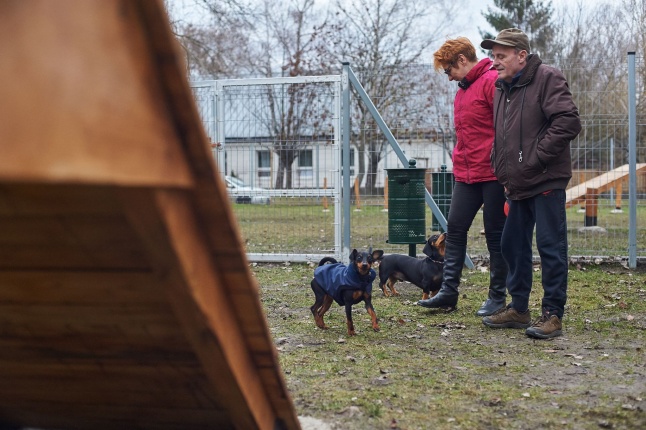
535, 119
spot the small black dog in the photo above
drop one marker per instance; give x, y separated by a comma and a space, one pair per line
347, 285
426, 274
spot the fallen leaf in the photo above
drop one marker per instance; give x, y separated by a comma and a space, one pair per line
630, 318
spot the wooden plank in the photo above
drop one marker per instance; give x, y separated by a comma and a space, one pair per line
53, 200
140, 321
82, 101
71, 242
206, 285
96, 417
76, 389
145, 213
80, 288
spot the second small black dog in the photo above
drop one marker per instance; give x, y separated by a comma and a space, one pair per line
425, 273
347, 285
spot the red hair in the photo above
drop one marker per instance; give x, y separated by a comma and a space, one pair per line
449, 51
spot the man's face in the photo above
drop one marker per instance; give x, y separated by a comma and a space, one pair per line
507, 62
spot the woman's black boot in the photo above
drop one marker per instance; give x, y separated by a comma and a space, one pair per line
448, 295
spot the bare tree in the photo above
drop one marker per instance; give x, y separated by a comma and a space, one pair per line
216, 43
291, 46
590, 46
380, 38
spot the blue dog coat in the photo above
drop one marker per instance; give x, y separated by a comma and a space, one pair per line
336, 278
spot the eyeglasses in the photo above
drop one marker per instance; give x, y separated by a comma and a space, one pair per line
448, 69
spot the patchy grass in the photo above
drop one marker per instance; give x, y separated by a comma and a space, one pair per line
428, 369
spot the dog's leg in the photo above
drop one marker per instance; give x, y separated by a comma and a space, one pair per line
425, 295
371, 311
350, 298
348, 319
391, 284
384, 288
327, 302
318, 305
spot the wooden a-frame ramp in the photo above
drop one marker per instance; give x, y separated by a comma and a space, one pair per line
592, 187
587, 193
126, 301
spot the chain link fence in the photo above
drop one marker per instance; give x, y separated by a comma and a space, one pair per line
416, 103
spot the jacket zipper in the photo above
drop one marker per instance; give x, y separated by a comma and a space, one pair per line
504, 127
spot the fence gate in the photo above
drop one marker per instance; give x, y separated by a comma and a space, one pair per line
277, 141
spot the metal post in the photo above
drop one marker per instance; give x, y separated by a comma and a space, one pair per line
345, 163
219, 128
632, 162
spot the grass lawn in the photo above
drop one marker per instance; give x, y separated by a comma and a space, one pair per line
436, 370
300, 226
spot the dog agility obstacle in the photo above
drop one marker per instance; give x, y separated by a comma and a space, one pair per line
126, 300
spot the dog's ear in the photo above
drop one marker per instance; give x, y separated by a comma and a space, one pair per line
428, 248
440, 243
353, 255
377, 254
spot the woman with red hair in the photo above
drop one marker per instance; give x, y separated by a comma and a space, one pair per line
475, 183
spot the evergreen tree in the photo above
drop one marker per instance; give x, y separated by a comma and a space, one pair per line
531, 16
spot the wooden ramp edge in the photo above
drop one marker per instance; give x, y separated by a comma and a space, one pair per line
126, 300
599, 184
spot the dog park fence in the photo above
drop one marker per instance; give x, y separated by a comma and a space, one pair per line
285, 137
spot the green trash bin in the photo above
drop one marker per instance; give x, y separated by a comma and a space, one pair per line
407, 206
441, 189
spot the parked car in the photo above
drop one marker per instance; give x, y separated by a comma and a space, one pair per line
243, 193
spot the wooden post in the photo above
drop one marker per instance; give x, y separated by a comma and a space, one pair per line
357, 194
618, 191
386, 195
581, 180
591, 204
325, 204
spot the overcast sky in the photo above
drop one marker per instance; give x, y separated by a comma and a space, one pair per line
467, 24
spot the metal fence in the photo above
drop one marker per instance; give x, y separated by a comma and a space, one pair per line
277, 142
417, 105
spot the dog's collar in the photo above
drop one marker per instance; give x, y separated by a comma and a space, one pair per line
435, 261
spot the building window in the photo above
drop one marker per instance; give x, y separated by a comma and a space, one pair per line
264, 163
351, 160
305, 163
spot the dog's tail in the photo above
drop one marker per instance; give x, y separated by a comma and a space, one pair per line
327, 260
